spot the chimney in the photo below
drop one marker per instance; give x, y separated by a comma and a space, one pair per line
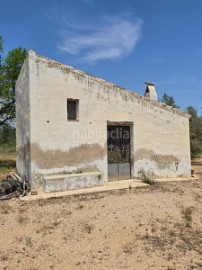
150, 91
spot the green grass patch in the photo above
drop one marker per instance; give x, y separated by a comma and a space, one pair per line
7, 151
7, 158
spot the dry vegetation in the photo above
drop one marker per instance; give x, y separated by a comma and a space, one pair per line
7, 159
159, 227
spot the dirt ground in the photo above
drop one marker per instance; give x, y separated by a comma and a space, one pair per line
157, 227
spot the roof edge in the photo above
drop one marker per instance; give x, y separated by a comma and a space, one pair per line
32, 54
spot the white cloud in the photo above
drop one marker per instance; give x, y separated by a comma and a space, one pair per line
116, 38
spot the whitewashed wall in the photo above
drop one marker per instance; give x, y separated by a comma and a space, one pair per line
160, 133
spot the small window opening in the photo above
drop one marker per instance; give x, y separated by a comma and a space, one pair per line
72, 109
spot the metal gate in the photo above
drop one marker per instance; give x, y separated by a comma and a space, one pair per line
119, 163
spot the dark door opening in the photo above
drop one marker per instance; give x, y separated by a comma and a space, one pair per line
119, 161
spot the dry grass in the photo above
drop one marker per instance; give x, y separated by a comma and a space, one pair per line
158, 227
7, 159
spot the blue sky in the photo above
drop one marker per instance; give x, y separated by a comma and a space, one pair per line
126, 42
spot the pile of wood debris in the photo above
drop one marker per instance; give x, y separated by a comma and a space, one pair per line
12, 187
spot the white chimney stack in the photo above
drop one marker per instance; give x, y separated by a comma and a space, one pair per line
150, 91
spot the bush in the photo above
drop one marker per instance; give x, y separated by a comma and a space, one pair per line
195, 132
7, 135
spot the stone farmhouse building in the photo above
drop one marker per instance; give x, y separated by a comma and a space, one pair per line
75, 130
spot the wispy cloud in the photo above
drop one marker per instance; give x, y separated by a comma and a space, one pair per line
115, 38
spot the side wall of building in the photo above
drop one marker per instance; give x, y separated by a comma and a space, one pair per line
160, 134
23, 158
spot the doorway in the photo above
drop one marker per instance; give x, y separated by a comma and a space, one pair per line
119, 158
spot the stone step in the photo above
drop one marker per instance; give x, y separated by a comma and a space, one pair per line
62, 182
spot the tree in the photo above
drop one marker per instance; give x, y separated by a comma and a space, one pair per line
9, 71
169, 100
7, 135
1, 47
195, 132
192, 111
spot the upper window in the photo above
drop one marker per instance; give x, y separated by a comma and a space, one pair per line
72, 109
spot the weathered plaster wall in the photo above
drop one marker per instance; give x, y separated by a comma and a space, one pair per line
23, 160
160, 133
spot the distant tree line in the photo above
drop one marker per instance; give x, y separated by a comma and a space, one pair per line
10, 67
195, 126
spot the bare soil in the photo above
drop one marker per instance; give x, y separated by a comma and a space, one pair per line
157, 227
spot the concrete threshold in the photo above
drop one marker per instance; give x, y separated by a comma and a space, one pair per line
109, 186
175, 179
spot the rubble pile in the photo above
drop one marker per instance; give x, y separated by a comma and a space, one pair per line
11, 187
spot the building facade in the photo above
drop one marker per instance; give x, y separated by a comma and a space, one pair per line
75, 130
